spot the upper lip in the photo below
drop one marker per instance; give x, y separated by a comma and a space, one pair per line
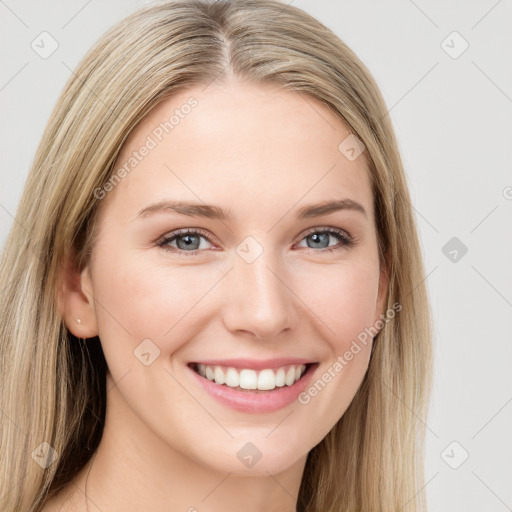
254, 364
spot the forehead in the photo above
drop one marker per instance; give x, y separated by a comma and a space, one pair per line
239, 144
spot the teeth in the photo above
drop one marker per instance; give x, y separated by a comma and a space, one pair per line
232, 378
248, 379
251, 379
209, 373
280, 378
266, 380
219, 376
290, 377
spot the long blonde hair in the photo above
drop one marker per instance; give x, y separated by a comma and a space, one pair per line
53, 384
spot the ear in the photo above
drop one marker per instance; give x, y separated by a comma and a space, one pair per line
383, 287
75, 299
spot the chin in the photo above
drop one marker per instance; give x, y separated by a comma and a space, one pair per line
253, 459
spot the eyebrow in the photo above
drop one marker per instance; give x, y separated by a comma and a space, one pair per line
215, 212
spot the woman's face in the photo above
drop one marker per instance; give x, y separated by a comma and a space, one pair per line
264, 280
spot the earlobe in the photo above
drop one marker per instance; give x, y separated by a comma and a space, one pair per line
75, 299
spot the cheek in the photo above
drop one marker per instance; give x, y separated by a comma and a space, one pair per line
136, 302
343, 297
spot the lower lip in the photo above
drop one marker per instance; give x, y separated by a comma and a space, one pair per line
245, 401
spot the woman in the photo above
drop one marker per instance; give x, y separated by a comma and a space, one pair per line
215, 298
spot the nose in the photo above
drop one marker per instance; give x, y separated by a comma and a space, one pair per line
258, 298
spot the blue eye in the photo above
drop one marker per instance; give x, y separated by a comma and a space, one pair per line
188, 242
320, 239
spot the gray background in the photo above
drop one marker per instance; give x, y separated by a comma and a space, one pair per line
452, 114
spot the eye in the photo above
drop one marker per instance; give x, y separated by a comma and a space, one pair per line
185, 240
319, 239
189, 242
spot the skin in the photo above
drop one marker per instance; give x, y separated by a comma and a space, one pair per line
262, 154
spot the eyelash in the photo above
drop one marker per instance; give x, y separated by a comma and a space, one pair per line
346, 241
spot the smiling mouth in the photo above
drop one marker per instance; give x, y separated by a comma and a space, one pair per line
249, 380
